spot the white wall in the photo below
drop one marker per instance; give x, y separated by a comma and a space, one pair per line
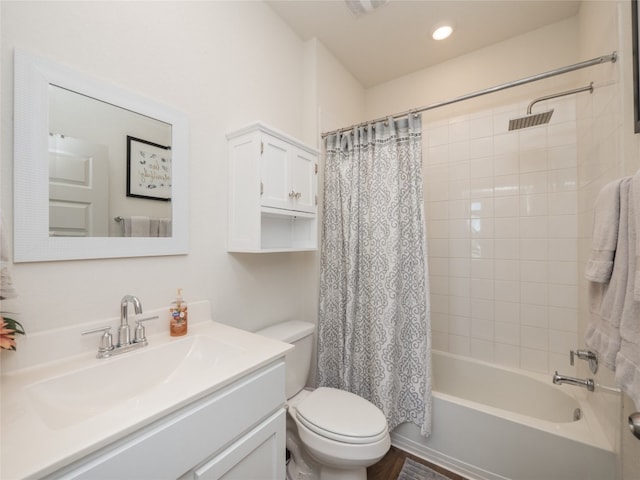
224, 64
608, 149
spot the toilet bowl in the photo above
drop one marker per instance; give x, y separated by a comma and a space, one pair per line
331, 434
341, 431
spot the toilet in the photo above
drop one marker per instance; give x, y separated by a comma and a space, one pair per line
331, 434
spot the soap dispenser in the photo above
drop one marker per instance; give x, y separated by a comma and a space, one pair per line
178, 322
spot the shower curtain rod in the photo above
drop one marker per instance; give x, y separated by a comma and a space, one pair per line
534, 78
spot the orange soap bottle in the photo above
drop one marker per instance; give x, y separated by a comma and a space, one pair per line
179, 313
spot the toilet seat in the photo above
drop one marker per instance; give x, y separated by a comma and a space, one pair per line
342, 416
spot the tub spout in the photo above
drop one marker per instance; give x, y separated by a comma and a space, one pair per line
586, 383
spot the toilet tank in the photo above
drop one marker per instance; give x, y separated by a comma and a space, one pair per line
297, 360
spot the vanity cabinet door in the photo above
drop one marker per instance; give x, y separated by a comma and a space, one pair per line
258, 454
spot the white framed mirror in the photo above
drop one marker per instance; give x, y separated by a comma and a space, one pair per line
123, 159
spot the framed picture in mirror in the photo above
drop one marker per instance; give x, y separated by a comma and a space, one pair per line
148, 169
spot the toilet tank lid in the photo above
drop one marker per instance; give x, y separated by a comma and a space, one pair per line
289, 331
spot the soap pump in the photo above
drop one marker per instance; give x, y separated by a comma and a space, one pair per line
178, 322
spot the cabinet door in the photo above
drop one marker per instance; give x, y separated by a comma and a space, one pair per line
303, 180
260, 454
275, 173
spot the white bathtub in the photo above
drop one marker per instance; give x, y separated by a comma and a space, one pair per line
497, 423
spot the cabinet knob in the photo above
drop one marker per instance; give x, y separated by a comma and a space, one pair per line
292, 194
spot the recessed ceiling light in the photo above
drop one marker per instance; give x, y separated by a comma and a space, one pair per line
442, 32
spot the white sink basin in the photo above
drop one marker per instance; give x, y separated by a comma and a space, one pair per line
76, 396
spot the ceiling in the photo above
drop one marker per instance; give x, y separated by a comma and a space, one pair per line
395, 39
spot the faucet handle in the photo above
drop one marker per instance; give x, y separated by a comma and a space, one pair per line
588, 355
140, 336
106, 340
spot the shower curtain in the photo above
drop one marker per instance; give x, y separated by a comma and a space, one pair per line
374, 336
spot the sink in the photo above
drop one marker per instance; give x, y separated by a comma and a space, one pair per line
131, 378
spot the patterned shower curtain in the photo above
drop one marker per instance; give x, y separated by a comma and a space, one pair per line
374, 336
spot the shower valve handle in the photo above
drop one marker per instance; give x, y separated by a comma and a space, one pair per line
584, 355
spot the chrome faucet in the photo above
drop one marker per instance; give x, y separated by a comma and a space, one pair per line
125, 344
586, 383
124, 331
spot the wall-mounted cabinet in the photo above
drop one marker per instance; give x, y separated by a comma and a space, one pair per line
272, 192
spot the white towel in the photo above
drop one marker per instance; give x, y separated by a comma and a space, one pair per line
164, 227
153, 227
136, 226
628, 358
605, 233
607, 300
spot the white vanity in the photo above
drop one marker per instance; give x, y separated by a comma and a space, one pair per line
205, 406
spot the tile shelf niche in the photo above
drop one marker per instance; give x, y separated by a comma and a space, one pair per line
272, 192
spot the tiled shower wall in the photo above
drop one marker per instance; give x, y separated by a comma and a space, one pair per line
502, 236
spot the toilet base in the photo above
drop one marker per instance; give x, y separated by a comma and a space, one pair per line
328, 473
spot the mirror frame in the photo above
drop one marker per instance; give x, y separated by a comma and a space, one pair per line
32, 243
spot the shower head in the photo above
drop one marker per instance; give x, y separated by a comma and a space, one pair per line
530, 120
533, 120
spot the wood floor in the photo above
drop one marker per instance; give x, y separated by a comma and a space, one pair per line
389, 467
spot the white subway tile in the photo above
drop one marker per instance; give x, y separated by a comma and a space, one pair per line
439, 303
534, 293
563, 226
533, 271
459, 151
460, 345
534, 205
506, 269
458, 209
563, 203
563, 296
460, 286
506, 164
482, 309
460, 326
506, 185
482, 350
534, 160
533, 249
534, 315
506, 227
506, 248
506, 291
534, 227
508, 312
459, 248
563, 318
482, 288
531, 183
533, 337
507, 333
459, 267
440, 341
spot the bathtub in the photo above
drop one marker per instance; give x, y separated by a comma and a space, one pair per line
494, 423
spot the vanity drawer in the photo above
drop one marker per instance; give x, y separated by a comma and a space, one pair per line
173, 445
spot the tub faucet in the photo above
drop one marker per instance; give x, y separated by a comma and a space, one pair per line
124, 331
587, 383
